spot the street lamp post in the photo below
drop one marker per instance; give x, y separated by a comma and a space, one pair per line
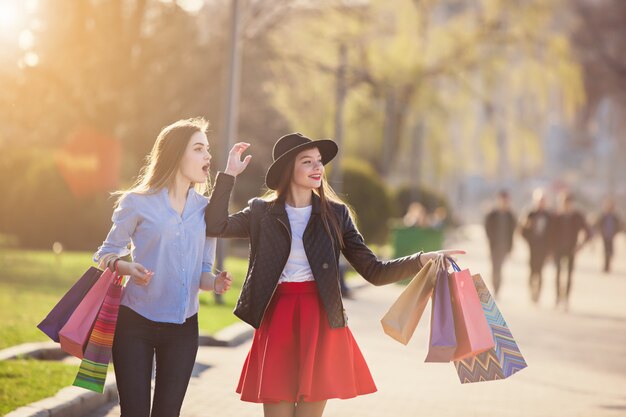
232, 112
340, 98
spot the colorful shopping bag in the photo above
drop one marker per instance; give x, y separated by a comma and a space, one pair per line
473, 334
402, 317
442, 345
75, 333
61, 312
93, 368
504, 359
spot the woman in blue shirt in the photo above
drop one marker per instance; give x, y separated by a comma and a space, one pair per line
162, 218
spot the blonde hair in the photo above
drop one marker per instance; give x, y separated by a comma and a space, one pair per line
162, 163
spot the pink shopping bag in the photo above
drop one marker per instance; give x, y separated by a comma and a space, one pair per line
75, 334
473, 334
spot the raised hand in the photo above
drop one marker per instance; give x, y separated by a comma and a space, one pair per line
235, 165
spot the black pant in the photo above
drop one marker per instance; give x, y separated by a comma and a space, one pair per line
538, 256
608, 253
497, 259
137, 341
570, 256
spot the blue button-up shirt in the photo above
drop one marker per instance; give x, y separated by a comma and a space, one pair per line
174, 247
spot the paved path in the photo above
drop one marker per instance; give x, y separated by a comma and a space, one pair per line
577, 359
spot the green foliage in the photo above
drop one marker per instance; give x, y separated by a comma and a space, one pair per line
125, 69
478, 77
367, 194
39, 208
25, 381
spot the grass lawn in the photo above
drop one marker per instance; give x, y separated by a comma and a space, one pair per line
31, 283
25, 381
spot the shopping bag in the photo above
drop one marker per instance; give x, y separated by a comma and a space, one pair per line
62, 311
402, 317
75, 333
473, 334
93, 368
501, 361
442, 345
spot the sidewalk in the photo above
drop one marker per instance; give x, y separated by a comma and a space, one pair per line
577, 360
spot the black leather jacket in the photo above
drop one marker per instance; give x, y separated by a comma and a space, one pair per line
266, 225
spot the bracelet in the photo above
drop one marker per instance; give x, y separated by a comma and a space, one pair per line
113, 258
115, 266
419, 259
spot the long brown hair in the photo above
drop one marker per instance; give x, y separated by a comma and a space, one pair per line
162, 162
327, 196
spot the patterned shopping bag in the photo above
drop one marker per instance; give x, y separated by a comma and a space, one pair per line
93, 368
504, 359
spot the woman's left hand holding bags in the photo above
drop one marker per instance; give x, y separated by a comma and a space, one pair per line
447, 253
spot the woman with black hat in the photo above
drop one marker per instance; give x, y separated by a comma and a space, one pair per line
303, 353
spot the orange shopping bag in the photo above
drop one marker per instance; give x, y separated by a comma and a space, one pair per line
404, 314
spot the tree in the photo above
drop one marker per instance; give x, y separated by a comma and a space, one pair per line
124, 68
424, 66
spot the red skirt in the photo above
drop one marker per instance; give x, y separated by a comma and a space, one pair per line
296, 355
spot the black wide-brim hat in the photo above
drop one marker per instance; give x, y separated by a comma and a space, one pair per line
287, 147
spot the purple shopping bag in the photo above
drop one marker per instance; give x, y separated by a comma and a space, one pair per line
61, 312
442, 338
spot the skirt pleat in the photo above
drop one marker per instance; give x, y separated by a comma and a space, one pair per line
296, 355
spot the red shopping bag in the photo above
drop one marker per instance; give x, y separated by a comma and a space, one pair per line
75, 333
473, 334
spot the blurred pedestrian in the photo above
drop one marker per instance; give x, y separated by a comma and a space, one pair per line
537, 230
161, 217
500, 224
416, 215
439, 218
608, 225
568, 225
303, 352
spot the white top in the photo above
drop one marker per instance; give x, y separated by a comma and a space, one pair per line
297, 268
